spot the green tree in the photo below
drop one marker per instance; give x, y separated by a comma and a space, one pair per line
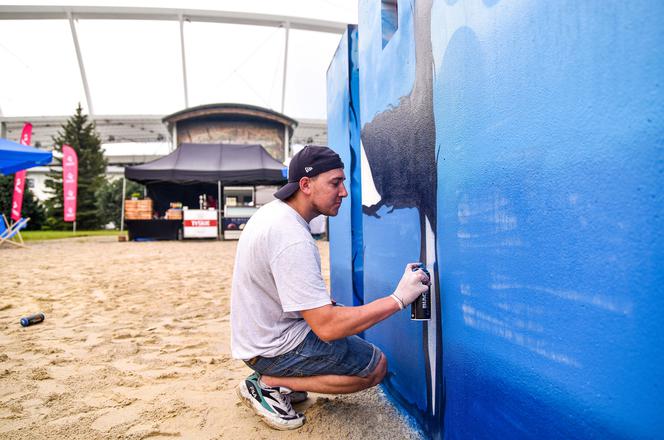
79, 134
109, 199
31, 206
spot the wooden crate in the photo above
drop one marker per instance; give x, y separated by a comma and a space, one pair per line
174, 214
138, 209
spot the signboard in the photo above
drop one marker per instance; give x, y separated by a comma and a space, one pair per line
198, 223
234, 223
69, 182
235, 219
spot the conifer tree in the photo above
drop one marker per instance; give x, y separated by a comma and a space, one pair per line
31, 206
79, 134
109, 199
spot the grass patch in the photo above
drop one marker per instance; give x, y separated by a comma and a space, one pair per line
55, 235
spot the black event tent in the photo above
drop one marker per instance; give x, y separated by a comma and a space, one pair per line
225, 163
194, 169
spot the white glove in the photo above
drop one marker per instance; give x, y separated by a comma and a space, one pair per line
411, 286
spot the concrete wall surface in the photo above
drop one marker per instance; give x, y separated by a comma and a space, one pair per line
517, 149
269, 134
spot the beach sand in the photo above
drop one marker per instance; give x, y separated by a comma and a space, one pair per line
136, 344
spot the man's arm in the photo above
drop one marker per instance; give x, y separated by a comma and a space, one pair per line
331, 323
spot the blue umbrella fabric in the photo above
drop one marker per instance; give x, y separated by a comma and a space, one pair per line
16, 157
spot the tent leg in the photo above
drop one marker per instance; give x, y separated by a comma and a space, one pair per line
219, 208
124, 189
174, 137
286, 143
283, 83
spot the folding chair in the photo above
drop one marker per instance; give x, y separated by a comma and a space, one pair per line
8, 233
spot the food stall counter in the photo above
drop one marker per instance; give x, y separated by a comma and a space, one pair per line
235, 218
200, 223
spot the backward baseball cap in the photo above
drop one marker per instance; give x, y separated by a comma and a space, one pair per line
311, 161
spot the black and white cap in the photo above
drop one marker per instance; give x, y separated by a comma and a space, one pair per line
309, 162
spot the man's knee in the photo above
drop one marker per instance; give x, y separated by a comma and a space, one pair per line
377, 375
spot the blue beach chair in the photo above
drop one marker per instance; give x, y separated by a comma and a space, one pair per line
12, 234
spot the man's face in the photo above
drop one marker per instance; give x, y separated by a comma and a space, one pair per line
327, 191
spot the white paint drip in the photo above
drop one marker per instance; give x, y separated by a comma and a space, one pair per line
370, 194
596, 300
430, 252
524, 324
466, 235
484, 322
494, 211
521, 309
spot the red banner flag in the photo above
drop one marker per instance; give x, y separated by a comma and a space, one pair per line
69, 181
19, 177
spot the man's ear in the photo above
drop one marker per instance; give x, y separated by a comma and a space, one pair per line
305, 185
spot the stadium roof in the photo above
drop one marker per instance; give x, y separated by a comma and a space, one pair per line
137, 60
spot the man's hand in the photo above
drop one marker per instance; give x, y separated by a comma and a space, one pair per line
331, 323
411, 286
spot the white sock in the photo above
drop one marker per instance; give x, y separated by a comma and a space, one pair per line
282, 390
263, 384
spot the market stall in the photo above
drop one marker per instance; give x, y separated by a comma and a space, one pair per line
199, 185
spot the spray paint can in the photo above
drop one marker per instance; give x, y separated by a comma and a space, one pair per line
420, 310
32, 319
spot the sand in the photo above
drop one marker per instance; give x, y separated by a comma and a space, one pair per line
136, 344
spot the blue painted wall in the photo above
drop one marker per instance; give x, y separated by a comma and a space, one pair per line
546, 229
346, 257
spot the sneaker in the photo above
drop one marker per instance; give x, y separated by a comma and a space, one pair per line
272, 404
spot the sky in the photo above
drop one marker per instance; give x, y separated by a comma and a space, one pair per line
134, 67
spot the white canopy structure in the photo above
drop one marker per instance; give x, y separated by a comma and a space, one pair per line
139, 63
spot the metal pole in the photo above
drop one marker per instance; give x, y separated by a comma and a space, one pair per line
74, 227
286, 143
184, 63
124, 189
283, 84
81, 66
219, 208
174, 136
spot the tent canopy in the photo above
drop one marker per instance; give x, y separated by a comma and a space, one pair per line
16, 157
225, 163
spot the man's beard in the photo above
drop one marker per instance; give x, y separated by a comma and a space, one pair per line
330, 212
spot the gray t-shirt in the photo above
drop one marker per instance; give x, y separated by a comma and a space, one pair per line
277, 273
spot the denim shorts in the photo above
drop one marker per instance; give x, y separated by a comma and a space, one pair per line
351, 356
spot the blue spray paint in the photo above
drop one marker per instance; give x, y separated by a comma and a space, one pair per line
399, 144
548, 157
343, 133
340, 229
